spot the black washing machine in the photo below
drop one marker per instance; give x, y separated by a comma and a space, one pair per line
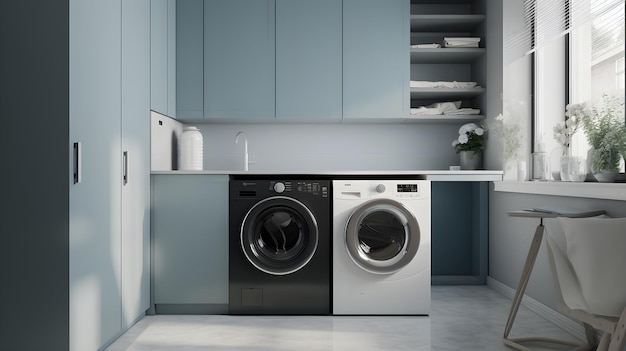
279, 247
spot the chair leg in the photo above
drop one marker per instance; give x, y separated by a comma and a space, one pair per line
590, 333
618, 339
604, 342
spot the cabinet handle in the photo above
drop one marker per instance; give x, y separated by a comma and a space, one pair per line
125, 176
77, 163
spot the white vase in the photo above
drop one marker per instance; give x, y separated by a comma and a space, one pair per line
191, 149
564, 160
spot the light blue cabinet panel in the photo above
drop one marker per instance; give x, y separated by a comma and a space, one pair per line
163, 56
135, 234
239, 59
190, 239
190, 59
308, 60
376, 43
95, 215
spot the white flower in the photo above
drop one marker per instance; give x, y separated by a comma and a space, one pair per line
463, 139
479, 131
455, 142
468, 127
571, 122
564, 130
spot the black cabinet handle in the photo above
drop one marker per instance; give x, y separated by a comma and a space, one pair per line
125, 175
77, 163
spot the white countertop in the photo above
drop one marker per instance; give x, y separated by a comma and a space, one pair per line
436, 175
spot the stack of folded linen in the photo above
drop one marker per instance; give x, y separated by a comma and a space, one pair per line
443, 84
462, 42
444, 108
426, 46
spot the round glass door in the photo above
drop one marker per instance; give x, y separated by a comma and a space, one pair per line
382, 236
279, 235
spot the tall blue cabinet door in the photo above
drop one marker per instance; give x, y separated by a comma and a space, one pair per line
239, 59
308, 60
95, 215
135, 94
190, 59
376, 61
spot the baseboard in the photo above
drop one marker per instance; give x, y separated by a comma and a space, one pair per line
572, 327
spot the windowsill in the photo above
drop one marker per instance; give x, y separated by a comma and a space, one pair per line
606, 191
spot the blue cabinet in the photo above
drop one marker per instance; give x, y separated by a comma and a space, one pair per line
308, 60
292, 60
460, 227
239, 59
109, 106
376, 53
190, 240
257, 60
135, 92
163, 56
190, 59
94, 203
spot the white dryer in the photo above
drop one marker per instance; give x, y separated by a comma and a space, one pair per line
381, 247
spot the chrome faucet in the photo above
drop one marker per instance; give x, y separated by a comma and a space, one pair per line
245, 148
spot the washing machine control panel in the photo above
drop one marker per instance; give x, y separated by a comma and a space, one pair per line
312, 188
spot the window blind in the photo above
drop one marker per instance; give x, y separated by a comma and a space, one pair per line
547, 20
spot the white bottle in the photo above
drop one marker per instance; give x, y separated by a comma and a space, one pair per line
191, 150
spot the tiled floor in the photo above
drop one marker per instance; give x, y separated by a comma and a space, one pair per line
463, 318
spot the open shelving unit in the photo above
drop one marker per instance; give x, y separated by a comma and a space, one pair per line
459, 250
431, 22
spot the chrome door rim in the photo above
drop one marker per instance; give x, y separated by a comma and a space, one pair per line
403, 256
251, 251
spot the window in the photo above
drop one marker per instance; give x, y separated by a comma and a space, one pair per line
596, 56
561, 52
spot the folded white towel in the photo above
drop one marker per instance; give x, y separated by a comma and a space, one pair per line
440, 84
463, 42
425, 111
437, 108
426, 46
464, 111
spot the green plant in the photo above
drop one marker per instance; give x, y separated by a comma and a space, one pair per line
471, 138
606, 133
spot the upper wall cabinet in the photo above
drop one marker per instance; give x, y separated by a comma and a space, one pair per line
376, 59
190, 58
239, 59
163, 56
308, 60
259, 60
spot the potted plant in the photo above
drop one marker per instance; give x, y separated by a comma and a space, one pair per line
469, 145
606, 133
